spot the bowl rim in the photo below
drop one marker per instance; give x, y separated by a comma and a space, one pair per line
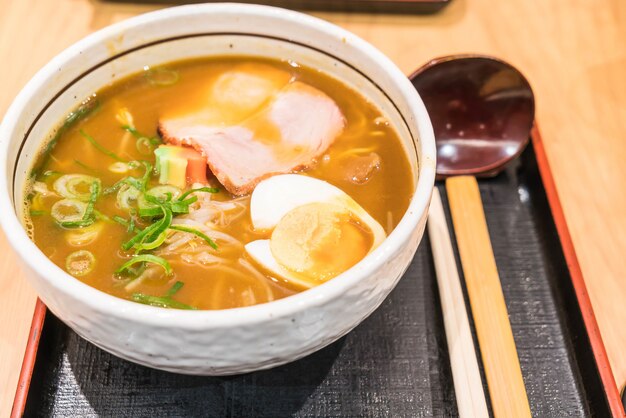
289, 306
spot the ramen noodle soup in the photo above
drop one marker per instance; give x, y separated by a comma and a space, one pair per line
217, 183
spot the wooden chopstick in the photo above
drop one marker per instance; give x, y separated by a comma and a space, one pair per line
468, 387
491, 319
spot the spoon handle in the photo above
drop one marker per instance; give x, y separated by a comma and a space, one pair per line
495, 338
468, 386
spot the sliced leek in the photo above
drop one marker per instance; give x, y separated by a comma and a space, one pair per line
80, 263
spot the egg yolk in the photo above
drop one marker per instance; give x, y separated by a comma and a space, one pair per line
320, 241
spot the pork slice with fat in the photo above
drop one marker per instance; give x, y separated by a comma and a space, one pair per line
287, 134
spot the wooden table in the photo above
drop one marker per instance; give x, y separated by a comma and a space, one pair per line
572, 51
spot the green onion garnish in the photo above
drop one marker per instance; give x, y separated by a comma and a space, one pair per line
146, 258
199, 189
161, 302
80, 263
146, 175
101, 216
100, 147
83, 165
174, 289
95, 191
79, 113
140, 236
151, 244
152, 232
196, 233
130, 225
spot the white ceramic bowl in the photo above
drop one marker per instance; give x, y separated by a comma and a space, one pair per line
235, 340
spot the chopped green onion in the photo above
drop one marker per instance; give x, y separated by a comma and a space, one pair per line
100, 147
83, 236
140, 236
75, 186
160, 239
132, 130
131, 181
126, 195
130, 225
199, 189
85, 108
83, 165
144, 146
161, 302
101, 216
146, 258
149, 202
37, 212
152, 232
161, 192
146, 175
95, 191
79, 263
150, 212
68, 210
115, 186
135, 272
139, 184
176, 207
189, 201
163, 225
181, 207
121, 220
196, 233
73, 220
78, 224
174, 289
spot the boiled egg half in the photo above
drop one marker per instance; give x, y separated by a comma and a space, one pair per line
316, 230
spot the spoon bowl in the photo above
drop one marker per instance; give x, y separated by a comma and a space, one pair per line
482, 110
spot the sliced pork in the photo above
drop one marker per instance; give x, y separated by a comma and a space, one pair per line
283, 130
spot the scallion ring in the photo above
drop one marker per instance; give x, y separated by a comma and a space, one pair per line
80, 263
127, 196
83, 236
75, 186
68, 210
144, 145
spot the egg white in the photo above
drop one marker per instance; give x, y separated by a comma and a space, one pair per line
273, 198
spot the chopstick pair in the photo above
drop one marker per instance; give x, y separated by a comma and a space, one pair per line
499, 355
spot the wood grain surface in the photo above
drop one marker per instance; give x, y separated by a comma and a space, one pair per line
572, 51
491, 319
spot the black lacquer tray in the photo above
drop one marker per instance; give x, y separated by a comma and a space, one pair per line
395, 364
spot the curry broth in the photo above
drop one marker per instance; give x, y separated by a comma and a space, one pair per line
385, 195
